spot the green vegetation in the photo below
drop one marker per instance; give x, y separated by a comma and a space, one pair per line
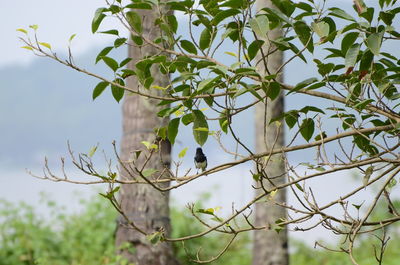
87, 238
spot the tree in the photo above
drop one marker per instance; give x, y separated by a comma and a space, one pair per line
349, 120
141, 203
270, 247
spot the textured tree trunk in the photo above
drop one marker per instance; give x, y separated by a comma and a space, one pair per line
145, 206
270, 248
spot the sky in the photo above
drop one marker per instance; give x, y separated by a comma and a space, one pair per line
41, 128
57, 21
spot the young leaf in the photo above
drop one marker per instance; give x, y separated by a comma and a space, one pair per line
72, 37
45, 44
92, 151
367, 175
22, 30
182, 153
173, 130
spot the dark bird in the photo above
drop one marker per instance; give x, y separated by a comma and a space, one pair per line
200, 160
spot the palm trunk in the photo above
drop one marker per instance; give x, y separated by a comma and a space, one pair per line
145, 206
269, 246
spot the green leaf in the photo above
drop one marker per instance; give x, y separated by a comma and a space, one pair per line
223, 121
173, 129
386, 17
188, 46
155, 237
337, 12
220, 16
103, 52
140, 6
321, 28
187, 119
148, 172
125, 62
134, 20
256, 176
374, 42
110, 62
260, 26
291, 118
199, 122
273, 90
161, 132
120, 41
168, 111
209, 211
307, 129
233, 3
203, 85
99, 89
348, 40
118, 92
205, 39
253, 48
303, 84
98, 17
111, 32
286, 6
306, 109
366, 61
182, 153
361, 105
137, 40
304, 34
351, 56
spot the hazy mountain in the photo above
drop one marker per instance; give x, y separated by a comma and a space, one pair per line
44, 104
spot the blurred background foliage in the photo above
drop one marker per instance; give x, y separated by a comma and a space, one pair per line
87, 238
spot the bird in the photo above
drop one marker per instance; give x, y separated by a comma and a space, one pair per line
200, 160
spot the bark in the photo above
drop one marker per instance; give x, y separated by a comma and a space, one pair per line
269, 246
144, 205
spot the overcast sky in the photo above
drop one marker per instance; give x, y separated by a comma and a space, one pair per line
57, 21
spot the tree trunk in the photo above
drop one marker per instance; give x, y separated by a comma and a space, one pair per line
145, 206
270, 247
